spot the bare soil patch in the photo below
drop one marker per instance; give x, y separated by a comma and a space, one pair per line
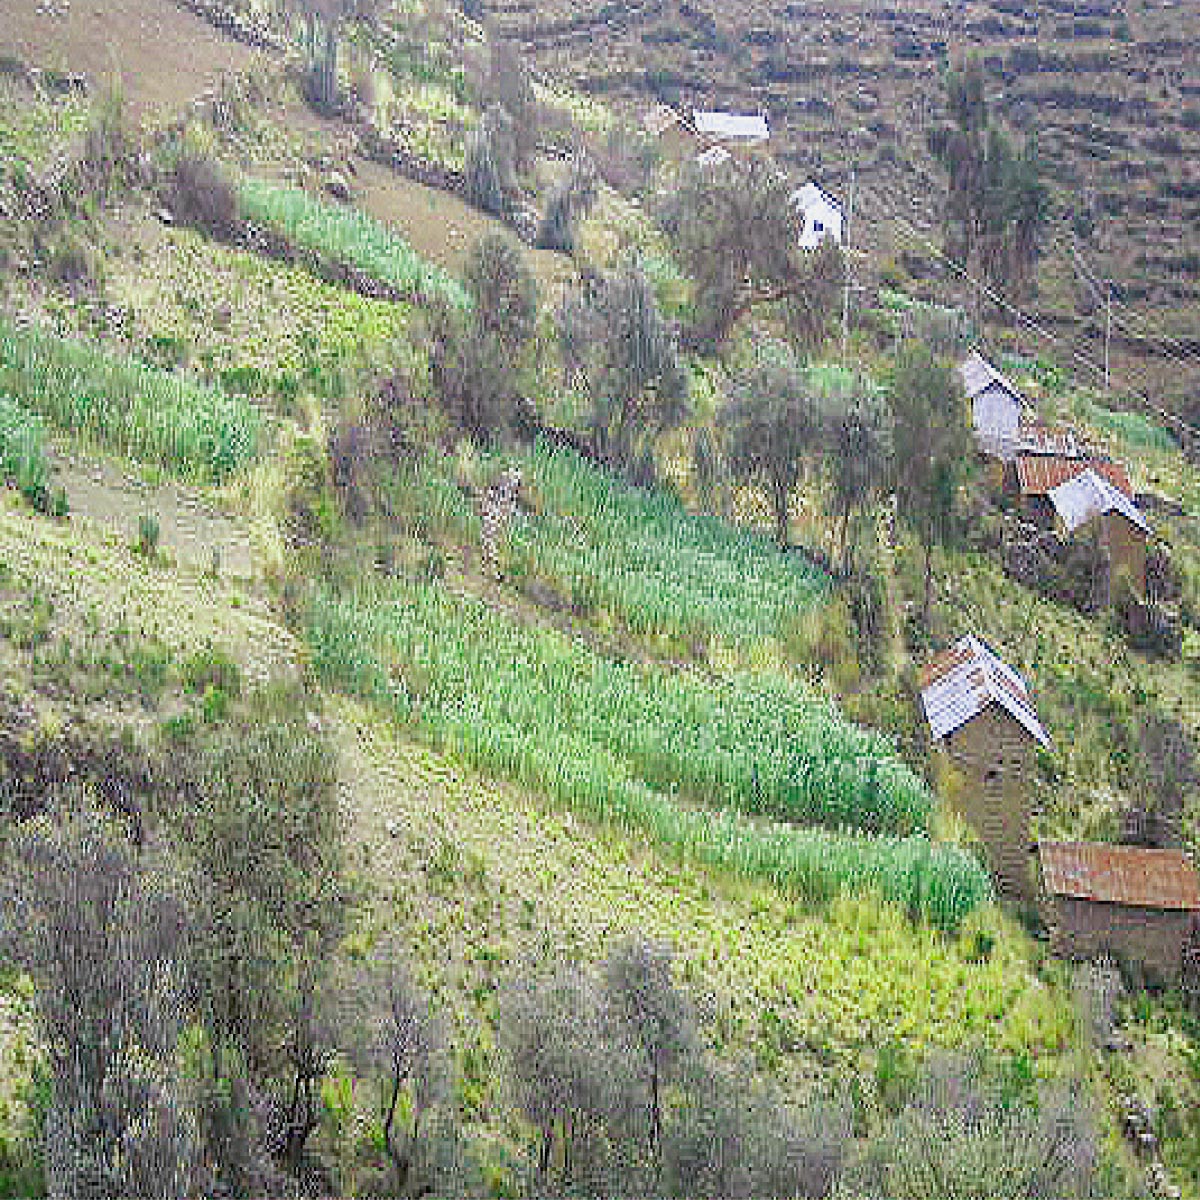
160, 54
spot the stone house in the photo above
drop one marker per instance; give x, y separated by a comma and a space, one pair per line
998, 409
982, 715
1031, 478
1121, 528
1136, 904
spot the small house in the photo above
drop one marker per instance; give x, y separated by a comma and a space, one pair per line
981, 713
736, 132
997, 408
1032, 477
1137, 904
1090, 496
820, 215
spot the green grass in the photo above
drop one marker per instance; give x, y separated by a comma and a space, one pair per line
347, 237
114, 401
22, 456
704, 768
635, 556
639, 556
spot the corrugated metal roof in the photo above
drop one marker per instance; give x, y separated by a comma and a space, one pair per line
978, 375
714, 156
1036, 438
1129, 875
810, 194
962, 681
733, 126
1038, 474
1089, 495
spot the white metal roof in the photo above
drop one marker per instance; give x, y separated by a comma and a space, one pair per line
714, 156
978, 375
962, 682
810, 194
1090, 495
732, 126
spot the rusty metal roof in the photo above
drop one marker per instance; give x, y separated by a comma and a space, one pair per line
1035, 437
1130, 875
962, 681
1038, 474
1089, 495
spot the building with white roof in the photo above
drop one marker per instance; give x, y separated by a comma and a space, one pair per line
982, 715
821, 216
733, 130
997, 407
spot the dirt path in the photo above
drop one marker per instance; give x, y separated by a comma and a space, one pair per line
191, 529
161, 54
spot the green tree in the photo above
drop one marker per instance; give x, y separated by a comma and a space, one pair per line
504, 291
932, 448
628, 356
997, 201
735, 231
861, 456
773, 420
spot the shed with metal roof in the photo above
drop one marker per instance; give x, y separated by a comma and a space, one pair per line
981, 713
997, 407
1121, 528
733, 130
1137, 904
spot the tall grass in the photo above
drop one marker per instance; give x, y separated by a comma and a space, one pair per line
640, 556
346, 237
671, 757
22, 457
149, 414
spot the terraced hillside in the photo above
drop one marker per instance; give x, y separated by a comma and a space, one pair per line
1112, 90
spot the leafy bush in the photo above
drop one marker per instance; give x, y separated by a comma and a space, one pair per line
201, 195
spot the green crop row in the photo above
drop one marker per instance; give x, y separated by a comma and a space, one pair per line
639, 555
22, 458
346, 237
150, 414
669, 756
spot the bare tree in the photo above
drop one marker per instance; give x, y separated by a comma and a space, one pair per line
104, 940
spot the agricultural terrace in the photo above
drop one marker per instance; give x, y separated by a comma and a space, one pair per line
708, 768
22, 456
118, 403
634, 555
346, 237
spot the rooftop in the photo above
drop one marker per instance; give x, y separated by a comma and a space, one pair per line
1039, 474
978, 375
1131, 875
808, 195
1089, 495
958, 684
732, 126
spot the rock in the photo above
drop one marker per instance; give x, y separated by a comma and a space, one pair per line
336, 185
393, 829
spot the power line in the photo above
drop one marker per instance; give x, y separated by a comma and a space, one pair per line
983, 288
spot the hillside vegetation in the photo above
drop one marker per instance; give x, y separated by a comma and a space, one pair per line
544, 806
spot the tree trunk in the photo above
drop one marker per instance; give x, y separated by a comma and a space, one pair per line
779, 501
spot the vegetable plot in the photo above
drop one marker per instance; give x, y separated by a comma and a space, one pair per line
347, 237
147, 413
654, 751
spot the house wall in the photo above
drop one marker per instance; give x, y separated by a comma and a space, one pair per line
996, 756
1148, 937
1126, 546
996, 416
829, 218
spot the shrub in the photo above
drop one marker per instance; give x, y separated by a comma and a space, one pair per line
22, 457
147, 535
567, 205
491, 181
202, 195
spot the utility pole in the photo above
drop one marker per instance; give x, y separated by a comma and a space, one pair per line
1107, 329
846, 259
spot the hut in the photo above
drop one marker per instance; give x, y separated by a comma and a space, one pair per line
820, 216
736, 132
981, 713
1122, 530
997, 408
1033, 477
1136, 904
